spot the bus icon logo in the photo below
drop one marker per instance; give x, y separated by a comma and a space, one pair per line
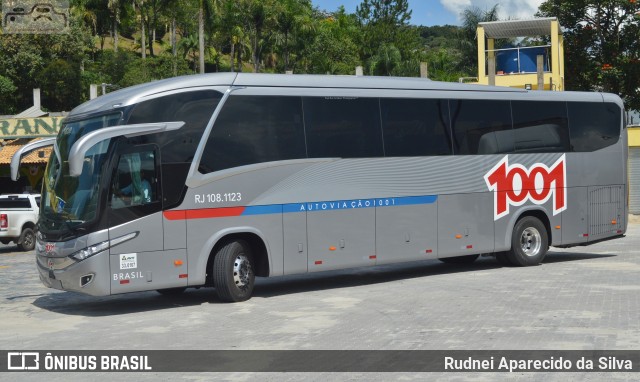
33, 16
23, 361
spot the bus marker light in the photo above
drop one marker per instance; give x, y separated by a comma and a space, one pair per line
557, 227
585, 235
458, 236
177, 263
469, 246
124, 281
614, 221
332, 248
428, 251
183, 276
318, 262
372, 257
619, 231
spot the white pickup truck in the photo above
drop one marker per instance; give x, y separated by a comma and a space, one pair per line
18, 217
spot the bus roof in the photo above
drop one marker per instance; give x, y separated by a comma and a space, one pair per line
134, 94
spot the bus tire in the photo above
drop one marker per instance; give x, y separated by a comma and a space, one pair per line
27, 241
529, 242
468, 259
233, 273
171, 291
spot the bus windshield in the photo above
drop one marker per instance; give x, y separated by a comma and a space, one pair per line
70, 201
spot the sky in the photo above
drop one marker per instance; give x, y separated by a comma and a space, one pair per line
441, 12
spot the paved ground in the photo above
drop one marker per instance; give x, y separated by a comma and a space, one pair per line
581, 298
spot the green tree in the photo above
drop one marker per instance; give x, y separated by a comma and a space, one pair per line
334, 47
23, 57
292, 15
468, 46
386, 60
231, 25
386, 23
206, 14
443, 64
260, 16
602, 51
7, 100
60, 82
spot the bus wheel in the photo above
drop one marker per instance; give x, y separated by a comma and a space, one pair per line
459, 259
529, 242
171, 291
233, 274
27, 241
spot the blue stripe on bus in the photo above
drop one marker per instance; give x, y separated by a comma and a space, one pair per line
262, 210
358, 203
206, 213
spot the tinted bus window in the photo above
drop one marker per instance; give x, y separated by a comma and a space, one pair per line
193, 108
593, 126
415, 127
255, 129
540, 126
342, 127
481, 127
178, 147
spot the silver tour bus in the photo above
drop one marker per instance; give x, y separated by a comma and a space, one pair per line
212, 180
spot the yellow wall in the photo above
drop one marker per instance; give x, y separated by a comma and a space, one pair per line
634, 136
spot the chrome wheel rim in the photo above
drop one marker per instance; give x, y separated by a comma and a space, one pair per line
28, 240
531, 241
242, 271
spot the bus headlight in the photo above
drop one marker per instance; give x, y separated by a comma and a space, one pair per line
97, 248
90, 251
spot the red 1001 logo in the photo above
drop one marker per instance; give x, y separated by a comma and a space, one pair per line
514, 185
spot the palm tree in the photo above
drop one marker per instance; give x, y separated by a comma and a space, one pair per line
260, 16
471, 17
189, 44
143, 43
385, 61
206, 10
291, 16
117, 9
231, 25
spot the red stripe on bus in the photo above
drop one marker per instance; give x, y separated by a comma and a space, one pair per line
175, 214
205, 213
214, 212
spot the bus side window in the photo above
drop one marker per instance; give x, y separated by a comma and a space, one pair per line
255, 129
481, 127
540, 127
593, 125
135, 181
415, 127
342, 127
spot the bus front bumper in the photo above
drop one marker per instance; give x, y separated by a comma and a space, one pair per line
89, 276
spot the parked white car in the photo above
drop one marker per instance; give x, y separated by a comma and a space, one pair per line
18, 217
